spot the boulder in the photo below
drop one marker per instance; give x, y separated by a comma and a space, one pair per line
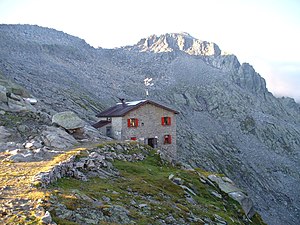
244, 201
68, 120
43, 154
91, 132
3, 97
79, 175
57, 138
46, 219
11, 99
13, 105
20, 157
9, 146
118, 214
226, 185
4, 134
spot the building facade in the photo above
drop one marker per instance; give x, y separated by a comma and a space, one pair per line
144, 121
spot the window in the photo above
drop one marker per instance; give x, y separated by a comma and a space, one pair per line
167, 139
166, 121
132, 122
133, 138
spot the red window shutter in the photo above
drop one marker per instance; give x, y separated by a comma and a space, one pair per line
128, 122
170, 139
163, 121
136, 122
169, 120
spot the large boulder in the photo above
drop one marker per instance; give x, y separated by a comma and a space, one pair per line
68, 120
57, 138
245, 202
228, 187
93, 134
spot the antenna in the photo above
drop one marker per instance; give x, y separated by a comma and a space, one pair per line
147, 82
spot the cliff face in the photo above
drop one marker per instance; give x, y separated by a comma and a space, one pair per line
228, 120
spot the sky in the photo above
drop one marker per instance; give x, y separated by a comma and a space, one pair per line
264, 33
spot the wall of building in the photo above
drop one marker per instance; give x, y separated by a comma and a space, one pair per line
116, 124
102, 130
149, 119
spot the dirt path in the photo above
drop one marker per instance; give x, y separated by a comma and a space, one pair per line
19, 200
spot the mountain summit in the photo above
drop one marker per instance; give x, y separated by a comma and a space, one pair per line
177, 42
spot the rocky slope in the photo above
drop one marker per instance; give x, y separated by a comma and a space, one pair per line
228, 120
118, 183
128, 183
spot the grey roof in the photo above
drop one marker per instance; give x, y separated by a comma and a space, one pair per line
121, 109
101, 123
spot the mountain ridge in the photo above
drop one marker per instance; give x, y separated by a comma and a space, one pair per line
228, 122
210, 52
177, 42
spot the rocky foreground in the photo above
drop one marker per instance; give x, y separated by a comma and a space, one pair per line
118, 183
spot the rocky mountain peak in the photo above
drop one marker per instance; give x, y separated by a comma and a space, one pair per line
171, 42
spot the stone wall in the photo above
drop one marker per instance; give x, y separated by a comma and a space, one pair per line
63, 169
93, 162
149, 117
116, 124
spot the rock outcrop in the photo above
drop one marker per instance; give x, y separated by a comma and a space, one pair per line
13, 97
57, 138
13, 103
68, 120
226, 185
177, 42
5, 134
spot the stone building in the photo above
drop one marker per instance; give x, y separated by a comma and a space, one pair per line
144, 121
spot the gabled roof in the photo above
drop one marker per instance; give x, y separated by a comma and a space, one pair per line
121, 109
101, 123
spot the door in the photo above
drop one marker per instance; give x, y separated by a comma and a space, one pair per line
152, 142
108, 131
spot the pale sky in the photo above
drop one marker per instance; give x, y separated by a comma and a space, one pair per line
264, 33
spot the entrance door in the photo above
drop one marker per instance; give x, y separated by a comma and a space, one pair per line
152, 142
108, 131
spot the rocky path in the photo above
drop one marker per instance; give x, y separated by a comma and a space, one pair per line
20, 202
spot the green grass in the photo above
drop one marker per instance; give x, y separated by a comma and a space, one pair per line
146, 182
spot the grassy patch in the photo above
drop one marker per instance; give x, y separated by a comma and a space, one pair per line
144, 189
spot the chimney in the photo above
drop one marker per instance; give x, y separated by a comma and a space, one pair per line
122, 101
